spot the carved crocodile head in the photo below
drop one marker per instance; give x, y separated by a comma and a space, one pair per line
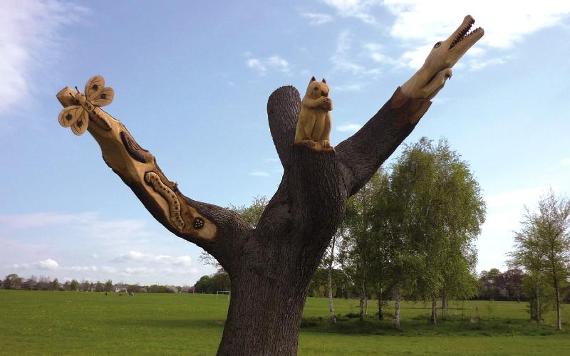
430, 78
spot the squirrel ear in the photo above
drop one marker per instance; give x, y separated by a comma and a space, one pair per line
324, 81
313, 79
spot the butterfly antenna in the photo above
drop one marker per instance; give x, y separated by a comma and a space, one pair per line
77, 89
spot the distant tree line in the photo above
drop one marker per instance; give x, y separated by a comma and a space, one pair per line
491, 285
13, 281
497, 285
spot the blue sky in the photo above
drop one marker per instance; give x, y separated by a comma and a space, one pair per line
192, 81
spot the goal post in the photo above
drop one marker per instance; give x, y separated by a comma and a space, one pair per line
226, 292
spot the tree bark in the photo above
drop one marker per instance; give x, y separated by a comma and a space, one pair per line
270, 266
330, 294
557, 295
536, 303
556, 285
397, 297
380, 303
443, 304
262, 320
363, 300
433, 318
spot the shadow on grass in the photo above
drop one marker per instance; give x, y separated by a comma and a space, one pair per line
170, 323
421, 327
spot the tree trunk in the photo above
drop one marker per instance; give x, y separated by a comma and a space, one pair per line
365, 304
261, 320
363, 300
331, 300
557, 294
270, 266
331, 303
380, 303
397, 307
538, 313
433, 318
443, 304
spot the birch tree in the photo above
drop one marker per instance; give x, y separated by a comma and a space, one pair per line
441, 210
542, 248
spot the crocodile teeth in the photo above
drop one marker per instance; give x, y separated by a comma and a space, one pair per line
463, 34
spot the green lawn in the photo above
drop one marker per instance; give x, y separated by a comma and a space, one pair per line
92, 323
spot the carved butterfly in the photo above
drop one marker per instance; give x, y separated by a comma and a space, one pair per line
77, 116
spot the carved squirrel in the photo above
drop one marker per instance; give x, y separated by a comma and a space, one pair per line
314, 124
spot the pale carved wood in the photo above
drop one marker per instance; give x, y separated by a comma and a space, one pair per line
431, 77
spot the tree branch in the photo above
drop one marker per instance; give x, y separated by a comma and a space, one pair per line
362, 154
283, 109
218, 230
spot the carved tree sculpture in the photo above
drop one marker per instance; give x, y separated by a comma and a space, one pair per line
270, 266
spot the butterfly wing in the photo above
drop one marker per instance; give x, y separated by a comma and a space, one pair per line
69, 115
94, 86
97, 93
104, 97
80, 126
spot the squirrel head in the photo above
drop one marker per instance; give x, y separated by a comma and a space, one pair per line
317, 89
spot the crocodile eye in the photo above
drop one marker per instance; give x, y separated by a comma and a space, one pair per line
437, 45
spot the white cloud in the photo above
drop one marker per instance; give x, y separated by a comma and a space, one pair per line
82, 268
138, 270
29, 38
316, 19
349, 127
565, 161
376, 53
21, 265
480, 64
137, 256
504, 23
347, 59
259, 174
342, 59
263, 65
108, 269
425, 22
516, 198
415, 57
348, 87
278, 63
359, 9
255, 63
419, 24
48, 264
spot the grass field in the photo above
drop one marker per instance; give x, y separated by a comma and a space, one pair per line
92, 323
